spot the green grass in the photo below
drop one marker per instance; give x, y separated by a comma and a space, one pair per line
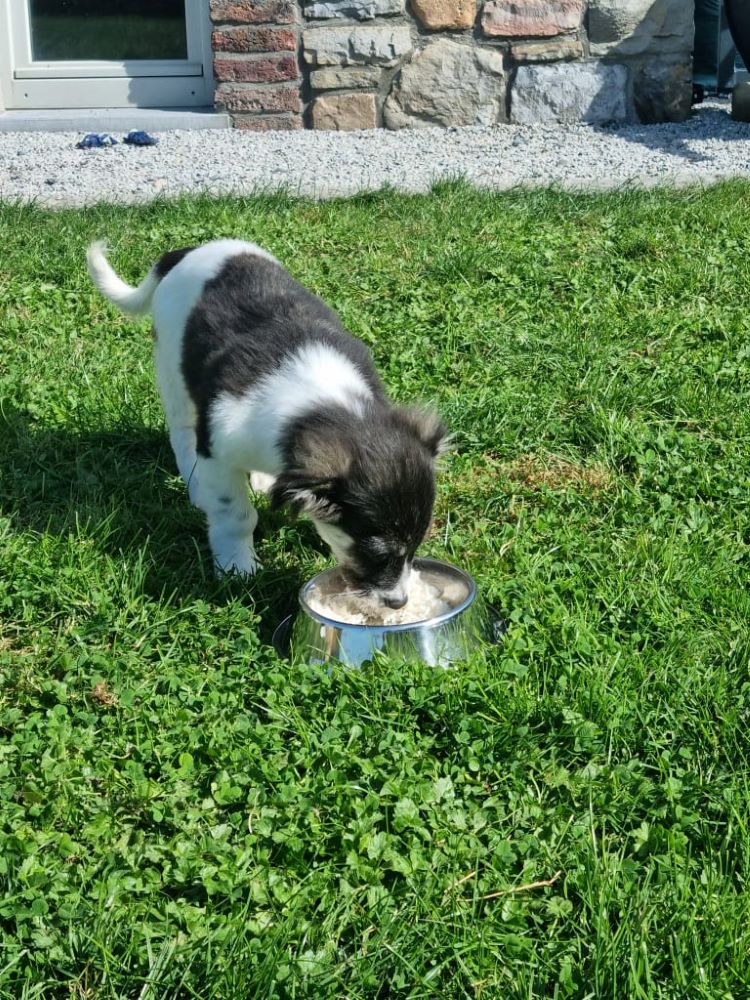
184, 815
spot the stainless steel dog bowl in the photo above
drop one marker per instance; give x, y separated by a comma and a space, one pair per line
439, 641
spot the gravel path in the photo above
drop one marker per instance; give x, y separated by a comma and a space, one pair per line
47, 167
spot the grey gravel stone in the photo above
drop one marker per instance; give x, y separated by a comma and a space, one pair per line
378, 45
345, 77
569, 92
361, 10
634, 27
709, 146
448, 82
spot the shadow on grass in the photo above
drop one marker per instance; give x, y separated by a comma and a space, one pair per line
117, 490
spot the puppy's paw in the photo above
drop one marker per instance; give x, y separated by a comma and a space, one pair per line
240, 561
261, 482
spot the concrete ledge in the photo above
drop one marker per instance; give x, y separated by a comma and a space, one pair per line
112, 119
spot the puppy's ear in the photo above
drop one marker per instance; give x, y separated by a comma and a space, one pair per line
303, 495
321, 462
324, 456
426, 425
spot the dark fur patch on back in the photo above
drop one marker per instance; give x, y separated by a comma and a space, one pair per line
169, 260
250, 317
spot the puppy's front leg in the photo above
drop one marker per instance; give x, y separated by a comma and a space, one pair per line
231, 517
261, 482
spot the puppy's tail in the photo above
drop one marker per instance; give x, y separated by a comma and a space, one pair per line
133, 301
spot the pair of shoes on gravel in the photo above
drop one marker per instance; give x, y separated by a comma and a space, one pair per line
96, 140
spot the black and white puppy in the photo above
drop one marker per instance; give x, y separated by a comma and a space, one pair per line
258, 376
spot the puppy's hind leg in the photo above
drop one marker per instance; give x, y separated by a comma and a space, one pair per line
231, 517
181, 415
182, 439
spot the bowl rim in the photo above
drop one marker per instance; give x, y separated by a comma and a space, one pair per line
426, 562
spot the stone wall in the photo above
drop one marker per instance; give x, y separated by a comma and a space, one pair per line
256, 62
350, 64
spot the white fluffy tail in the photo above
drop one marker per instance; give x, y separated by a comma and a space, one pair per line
134, 301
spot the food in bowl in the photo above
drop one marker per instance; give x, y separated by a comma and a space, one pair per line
430, 595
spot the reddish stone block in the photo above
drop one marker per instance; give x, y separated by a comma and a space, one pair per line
249, 98
254, 11
270, 70
267, 123
531, 18
254, 40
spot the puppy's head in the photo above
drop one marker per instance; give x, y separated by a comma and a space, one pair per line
369, 486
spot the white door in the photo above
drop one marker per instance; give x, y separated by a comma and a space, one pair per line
105, 53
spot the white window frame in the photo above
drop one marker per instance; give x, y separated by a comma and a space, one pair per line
167, 83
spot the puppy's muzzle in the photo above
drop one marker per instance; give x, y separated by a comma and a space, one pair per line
395, 602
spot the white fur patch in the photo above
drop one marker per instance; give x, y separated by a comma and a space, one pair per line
336, 539
245, 430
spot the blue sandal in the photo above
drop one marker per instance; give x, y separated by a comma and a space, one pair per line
140, 138
94, 140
